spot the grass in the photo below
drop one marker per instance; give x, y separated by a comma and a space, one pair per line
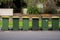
10, 24
20, 24
30, 24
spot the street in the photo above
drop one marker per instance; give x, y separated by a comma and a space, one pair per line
29, 35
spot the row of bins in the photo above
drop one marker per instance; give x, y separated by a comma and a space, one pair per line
54, 23
35, 24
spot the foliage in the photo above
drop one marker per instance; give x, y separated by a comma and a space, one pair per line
33, 10
43, 1
5, 0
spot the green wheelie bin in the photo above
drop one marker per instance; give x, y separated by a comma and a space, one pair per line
25, 24
55, 23
35, 24
15, 23
5, 24
45, 23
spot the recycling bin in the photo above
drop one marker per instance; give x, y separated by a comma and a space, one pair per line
55, 23
45, 23
25, 23
15, 23
5, 24
35, 24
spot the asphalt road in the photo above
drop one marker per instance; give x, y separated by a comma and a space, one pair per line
30, 35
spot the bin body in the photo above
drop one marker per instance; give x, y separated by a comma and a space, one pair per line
15, 23
25, 23
0, 23
55, 23
45, 23
5, 23
35, 24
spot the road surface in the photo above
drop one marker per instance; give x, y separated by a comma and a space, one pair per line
29, 35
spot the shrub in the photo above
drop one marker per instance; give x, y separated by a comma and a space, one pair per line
33, 10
